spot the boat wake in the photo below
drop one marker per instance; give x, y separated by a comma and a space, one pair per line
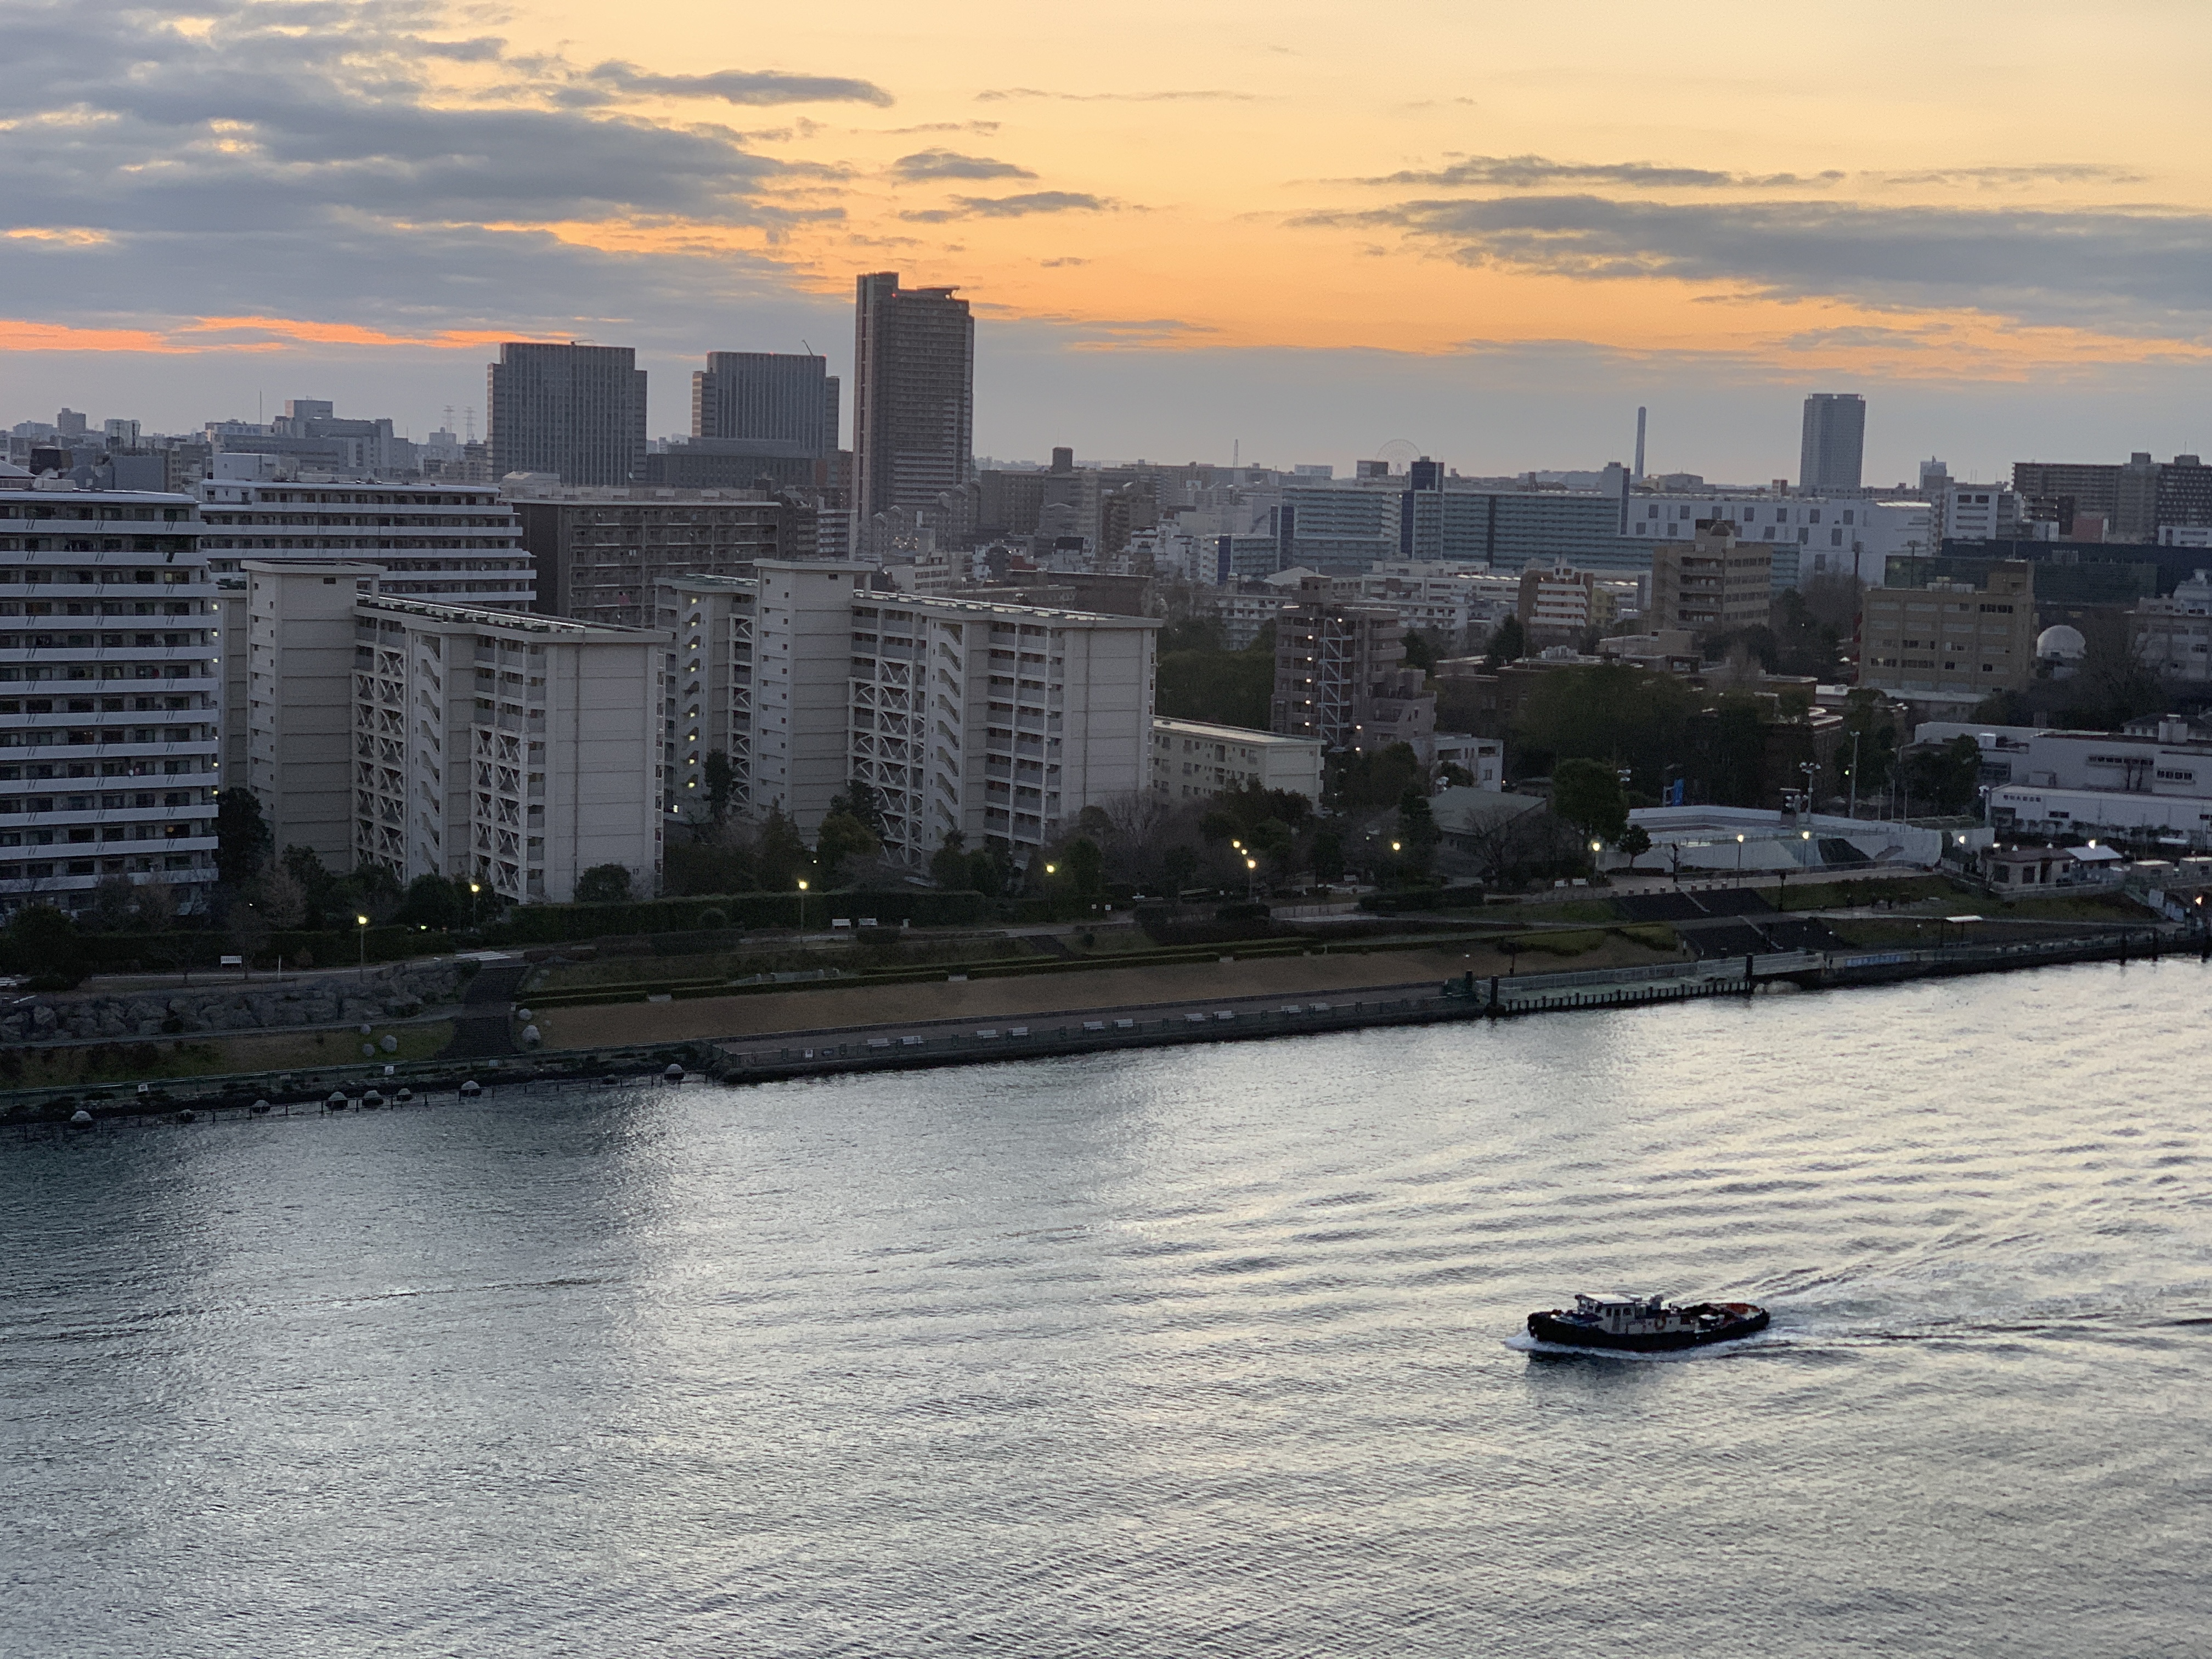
1524, 1343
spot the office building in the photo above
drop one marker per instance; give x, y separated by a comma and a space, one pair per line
575, 412
447, 544
450, 740
600, 552
1195, 759
1832, 448
1001, 722
1951, 640
1810, 537
1712, 584
913, 395
111, 692
1340, 675
2091, 501
2153, 780
784, 402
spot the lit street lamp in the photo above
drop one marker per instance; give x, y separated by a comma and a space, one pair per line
361, 924
1251, 879
1739, 854
802, 905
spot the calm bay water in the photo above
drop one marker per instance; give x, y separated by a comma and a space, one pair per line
1198, 1352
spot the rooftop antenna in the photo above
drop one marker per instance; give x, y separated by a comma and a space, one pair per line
810, 352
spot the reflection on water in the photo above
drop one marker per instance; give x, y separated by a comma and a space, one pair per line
1195, 1352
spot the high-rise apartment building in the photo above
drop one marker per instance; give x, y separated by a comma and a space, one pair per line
1001, 722
576, 411
1340, 675
2117, 502
111, 691
451, 544
600, 552
1711, 584
913, 395
450, 740
1832, 453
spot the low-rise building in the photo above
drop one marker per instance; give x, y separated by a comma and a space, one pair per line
2126, 785
1482, 759
1712, 584
1951, 639
1192, 759
2173, 635
111, 692
512, 750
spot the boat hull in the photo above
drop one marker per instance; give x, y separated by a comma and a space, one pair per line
1742, 1320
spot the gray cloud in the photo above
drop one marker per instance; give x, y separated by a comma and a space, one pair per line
2140, 270
1003, 93
300, 159
1013, 207
741, 86
2049, 172
950, 164
1530, 172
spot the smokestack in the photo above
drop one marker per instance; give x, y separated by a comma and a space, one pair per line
1638, 474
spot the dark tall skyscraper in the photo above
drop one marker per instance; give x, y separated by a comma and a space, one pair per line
913, 395
1833, 449
576, 410
766, 397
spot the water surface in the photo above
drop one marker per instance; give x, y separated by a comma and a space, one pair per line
1195, 1352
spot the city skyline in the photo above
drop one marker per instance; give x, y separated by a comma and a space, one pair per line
1311, 249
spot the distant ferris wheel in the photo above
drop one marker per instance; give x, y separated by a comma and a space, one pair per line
1400, 452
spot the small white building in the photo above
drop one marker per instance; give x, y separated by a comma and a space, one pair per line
1193, 759
1482, 759
512, 750
2156, 782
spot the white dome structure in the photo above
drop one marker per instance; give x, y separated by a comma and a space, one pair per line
2061, 644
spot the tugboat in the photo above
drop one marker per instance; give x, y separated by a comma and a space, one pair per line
1647, 1324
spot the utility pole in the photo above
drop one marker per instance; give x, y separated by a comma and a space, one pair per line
1854, 775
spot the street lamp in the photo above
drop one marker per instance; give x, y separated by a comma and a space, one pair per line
802, 904
1739, 854
361, 924
1251, 879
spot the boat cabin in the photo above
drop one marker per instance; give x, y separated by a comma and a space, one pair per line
1632, 1315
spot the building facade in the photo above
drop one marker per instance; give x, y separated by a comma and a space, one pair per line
1001, 722
1951, 637
1711, 584
913, 395
449, 543
1831, 446
1194, 759
429, 739
600, 553
2172, 636
2155, 782
575, 412
111, 689
1341, 676
767, 398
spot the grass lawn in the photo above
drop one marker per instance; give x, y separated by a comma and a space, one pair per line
89, 1064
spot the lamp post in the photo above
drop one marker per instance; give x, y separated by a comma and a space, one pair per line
1854, 775
1251, 879
361, 933
1739, 855
1812, 770
802, 904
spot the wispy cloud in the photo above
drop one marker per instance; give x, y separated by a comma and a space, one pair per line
2011, 178
2125, 270
951, 164
1200, 94
755, 87
1013, 207
1533, 172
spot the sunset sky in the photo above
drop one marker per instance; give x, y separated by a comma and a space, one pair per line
1491, 230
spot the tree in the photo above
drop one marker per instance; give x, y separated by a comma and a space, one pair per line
1329, 855
114, 904
1419, 653
603, 883
1946, 776
1180, 863
1586, 793
284, 900
1417, 834
1087, 867
433, 901
44, 943
317, 884
242, 841
1205, 682
2113, 685
1373, 777
1734, 751
780, 855
1869, 735
1636, 841
842, 836
1612, 713
1509, 642
948, 864
721, 787
863, 801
